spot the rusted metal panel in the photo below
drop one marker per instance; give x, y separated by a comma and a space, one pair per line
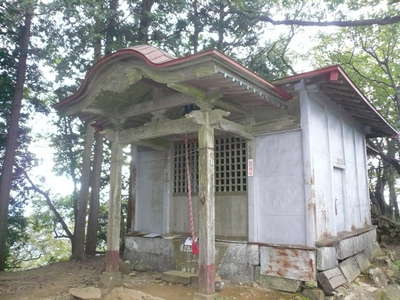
288, 263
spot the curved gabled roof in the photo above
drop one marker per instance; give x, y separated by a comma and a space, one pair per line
157, 58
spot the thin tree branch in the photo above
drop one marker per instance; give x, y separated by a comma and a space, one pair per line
350, 23
50, 204
392, 161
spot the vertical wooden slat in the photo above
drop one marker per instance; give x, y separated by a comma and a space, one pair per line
206, 208
114, 207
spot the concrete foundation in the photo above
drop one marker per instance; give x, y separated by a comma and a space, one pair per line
242, 262
351, 254
235, 261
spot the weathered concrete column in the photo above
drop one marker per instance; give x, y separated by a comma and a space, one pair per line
114, 207
206, 207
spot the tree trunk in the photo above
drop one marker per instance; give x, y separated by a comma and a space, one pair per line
112, 24
130, 219
197, 26
221, 27
391, 180
91, 234
12, 134
145, 21
80, 224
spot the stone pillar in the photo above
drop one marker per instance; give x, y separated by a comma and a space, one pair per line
114, 207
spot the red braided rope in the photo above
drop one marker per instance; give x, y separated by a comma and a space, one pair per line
189, 194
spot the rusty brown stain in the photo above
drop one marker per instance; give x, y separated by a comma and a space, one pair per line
282, 252
296, 267
286, 264
281, 272
311, 264
295, 252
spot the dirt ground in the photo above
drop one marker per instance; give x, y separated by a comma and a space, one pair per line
56, 279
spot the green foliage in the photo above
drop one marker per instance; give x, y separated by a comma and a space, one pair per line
11, 18
371, 56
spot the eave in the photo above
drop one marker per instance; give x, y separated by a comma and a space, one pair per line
338, 86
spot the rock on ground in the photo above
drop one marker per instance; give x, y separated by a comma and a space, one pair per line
122, 293
378, 277
86, 293
391, 292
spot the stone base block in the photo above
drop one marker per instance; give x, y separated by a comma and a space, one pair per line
279, 283
329, 280
179, 277
363, 262
350, 269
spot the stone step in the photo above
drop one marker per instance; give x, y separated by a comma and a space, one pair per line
175, 276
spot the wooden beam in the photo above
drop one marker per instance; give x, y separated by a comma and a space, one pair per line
157, 105
204, 100
215, 118
235, 128
230, 107
206, 208
155, 145
114, 207
189, 124
156, 130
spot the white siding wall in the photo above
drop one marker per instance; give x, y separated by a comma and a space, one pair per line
337, 147
278, 204
152, 192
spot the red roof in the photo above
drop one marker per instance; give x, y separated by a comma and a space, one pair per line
332, 73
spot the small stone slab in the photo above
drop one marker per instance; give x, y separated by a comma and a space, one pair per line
326, 258
350, 269
362, 261
360, 242
345, 248
279, 283
331, 279
86, 293
179, 277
